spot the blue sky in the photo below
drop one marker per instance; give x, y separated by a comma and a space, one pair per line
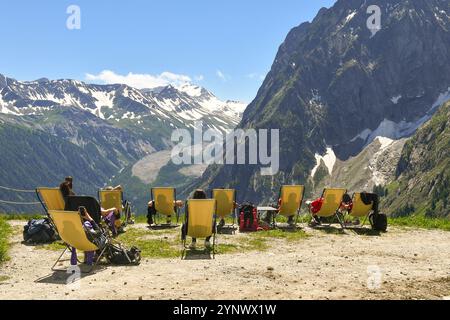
226, 46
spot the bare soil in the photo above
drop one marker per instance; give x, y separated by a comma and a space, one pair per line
413, 264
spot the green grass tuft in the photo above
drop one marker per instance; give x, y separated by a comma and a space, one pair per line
163, 246
421, 222
5, 231
21, 217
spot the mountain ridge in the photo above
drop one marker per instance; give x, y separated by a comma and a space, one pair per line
332, 81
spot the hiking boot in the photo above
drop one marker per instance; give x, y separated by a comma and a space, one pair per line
221, 224
291, 221
169, 220
314, 222
193, 245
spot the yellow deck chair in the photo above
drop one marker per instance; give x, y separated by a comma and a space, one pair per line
332, 199
164, 200
70, 228
50, 198
112, 199
225, 202
200, 220
360, 209
291, 201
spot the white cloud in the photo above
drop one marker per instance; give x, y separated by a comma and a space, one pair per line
139, 81
221, 75
255, 76
199, 78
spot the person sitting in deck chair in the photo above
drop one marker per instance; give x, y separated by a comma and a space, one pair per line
291, 219
368, 198
151, 211
66, 188
126, 205
316, 205
199, 194
110, 216
93, 232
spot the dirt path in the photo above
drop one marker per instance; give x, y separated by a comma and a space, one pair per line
413, 264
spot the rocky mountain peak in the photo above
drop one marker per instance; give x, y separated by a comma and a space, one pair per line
337, 85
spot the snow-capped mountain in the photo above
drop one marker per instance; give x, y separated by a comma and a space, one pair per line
174, 107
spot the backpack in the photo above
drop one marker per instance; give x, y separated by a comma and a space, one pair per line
248, 218
122, 256
39, 232
378, 221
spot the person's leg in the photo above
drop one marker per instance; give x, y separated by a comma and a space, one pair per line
208, 243
112, 224
89, 257
110, 220
291, 220
376, 201
183, 231
150, 213
315, 221
193, 244
73, 257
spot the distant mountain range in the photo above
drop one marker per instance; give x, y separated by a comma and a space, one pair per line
53, 128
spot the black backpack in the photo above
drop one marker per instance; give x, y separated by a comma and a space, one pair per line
378, 221
39, 232
121, 256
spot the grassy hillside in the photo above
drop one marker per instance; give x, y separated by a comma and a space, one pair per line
32, 158
422, 183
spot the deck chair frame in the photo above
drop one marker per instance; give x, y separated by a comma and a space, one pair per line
176, 209
234, 213
45, 205
214, 228
366, 216
42, 200
297, 214
336, 213
70, 248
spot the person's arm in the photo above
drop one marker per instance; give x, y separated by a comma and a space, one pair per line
105, 212
88, 217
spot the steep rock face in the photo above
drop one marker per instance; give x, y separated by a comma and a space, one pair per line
375, 166
422, 183
334, 85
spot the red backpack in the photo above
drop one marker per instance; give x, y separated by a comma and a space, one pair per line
248, 218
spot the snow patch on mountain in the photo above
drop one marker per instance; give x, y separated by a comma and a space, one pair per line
377, 165
394, 131
350, 16
396, 99
190, 89
329, 159
443, 98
